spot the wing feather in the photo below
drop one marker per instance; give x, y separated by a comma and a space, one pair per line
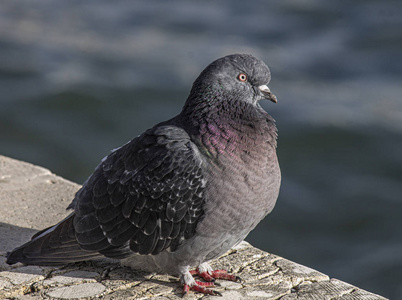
146, 196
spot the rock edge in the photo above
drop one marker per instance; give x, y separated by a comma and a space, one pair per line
33, 198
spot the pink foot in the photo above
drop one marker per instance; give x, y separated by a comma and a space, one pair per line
209, 276
217, 274
200, 287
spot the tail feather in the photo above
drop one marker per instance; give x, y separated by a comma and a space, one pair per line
53, 246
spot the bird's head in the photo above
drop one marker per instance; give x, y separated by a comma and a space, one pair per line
237, 77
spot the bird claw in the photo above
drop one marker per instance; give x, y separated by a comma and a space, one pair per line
217, 274
200, 287
206, 276
209, 278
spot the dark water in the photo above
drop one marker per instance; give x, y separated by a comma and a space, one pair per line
78, 79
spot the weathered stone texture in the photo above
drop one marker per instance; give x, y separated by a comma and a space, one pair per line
32, 198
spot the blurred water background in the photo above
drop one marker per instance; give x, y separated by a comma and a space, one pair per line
78, 79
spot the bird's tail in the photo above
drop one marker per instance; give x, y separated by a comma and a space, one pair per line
52, 246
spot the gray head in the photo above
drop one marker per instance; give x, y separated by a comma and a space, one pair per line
238, 76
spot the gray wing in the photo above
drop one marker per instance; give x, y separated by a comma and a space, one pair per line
144, 197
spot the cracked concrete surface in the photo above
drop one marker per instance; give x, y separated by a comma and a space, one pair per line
32, 198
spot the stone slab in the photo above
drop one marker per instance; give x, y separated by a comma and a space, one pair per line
32, 198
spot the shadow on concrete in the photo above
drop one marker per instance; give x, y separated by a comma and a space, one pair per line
12, 236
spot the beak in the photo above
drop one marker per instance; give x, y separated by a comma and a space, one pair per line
266, 93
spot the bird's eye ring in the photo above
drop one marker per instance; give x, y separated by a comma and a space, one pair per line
242, 77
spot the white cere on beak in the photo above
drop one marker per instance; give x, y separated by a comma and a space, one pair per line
263, 88
266, 92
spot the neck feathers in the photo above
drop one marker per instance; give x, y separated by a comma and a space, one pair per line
231, 128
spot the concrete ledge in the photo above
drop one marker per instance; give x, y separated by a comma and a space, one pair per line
32, 198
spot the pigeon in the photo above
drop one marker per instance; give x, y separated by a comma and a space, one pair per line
182, 193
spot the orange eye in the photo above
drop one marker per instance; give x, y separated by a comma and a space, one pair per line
242, 77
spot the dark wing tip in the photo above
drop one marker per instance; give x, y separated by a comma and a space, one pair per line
12, 258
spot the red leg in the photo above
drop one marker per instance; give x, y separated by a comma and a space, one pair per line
223, 274
201, 288
206, 276
217, 274
186, 288
209, 277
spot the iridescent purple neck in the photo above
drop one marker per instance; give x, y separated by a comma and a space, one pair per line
230, 128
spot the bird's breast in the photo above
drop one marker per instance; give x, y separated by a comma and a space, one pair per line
243, 177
